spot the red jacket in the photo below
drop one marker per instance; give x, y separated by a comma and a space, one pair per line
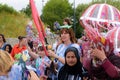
16, 49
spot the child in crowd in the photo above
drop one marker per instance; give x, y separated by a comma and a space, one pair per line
42, 61
8, 48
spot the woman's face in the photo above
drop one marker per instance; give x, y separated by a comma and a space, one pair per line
65, 23
71, 58
7, 48
1, 38
35, 44
41, 53
24, 41
65, 36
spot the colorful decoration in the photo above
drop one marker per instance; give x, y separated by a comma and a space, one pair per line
114, 37
101, 16
65, 26
49, 47
17, 56
99, 19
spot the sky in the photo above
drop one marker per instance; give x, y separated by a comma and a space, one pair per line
20, 4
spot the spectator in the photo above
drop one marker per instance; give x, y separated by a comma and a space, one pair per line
29, 29
67, 39
80, 43
72, 69
30, 41
8, 48
56, 26
9, 70
56, 43
2, 42
48, 32
42, 61
103, 64
20, 47
66, 23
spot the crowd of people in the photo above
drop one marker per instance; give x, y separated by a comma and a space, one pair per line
69, 59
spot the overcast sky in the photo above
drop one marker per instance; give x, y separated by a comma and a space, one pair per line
19, 4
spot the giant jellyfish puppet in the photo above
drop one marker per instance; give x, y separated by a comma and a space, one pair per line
114, 36
102, 18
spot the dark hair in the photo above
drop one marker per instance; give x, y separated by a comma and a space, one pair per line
3, 38
41, 48
68, 21
21, 37
10, 47
48, 26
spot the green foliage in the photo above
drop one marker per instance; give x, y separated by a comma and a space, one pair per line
27, 10
79, 11
12, 25
6, 8
115, 3
56, 10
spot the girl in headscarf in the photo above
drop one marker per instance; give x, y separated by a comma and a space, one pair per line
72, 69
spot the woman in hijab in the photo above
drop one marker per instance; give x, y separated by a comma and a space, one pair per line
72, 69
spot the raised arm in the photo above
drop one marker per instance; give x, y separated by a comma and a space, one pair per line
52, 54
32, 54
110, 64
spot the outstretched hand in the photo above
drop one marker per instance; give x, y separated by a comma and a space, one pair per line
52, 54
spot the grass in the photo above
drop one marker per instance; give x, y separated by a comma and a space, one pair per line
12, 25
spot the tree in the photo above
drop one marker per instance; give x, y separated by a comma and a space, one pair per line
6, 8
79, 11
56, 10
27, 10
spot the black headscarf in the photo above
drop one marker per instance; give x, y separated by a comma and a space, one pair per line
71, 70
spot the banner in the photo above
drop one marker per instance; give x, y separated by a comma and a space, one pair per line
38, 24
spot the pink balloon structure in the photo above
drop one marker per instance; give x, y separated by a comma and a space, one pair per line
101, 16
114, 36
